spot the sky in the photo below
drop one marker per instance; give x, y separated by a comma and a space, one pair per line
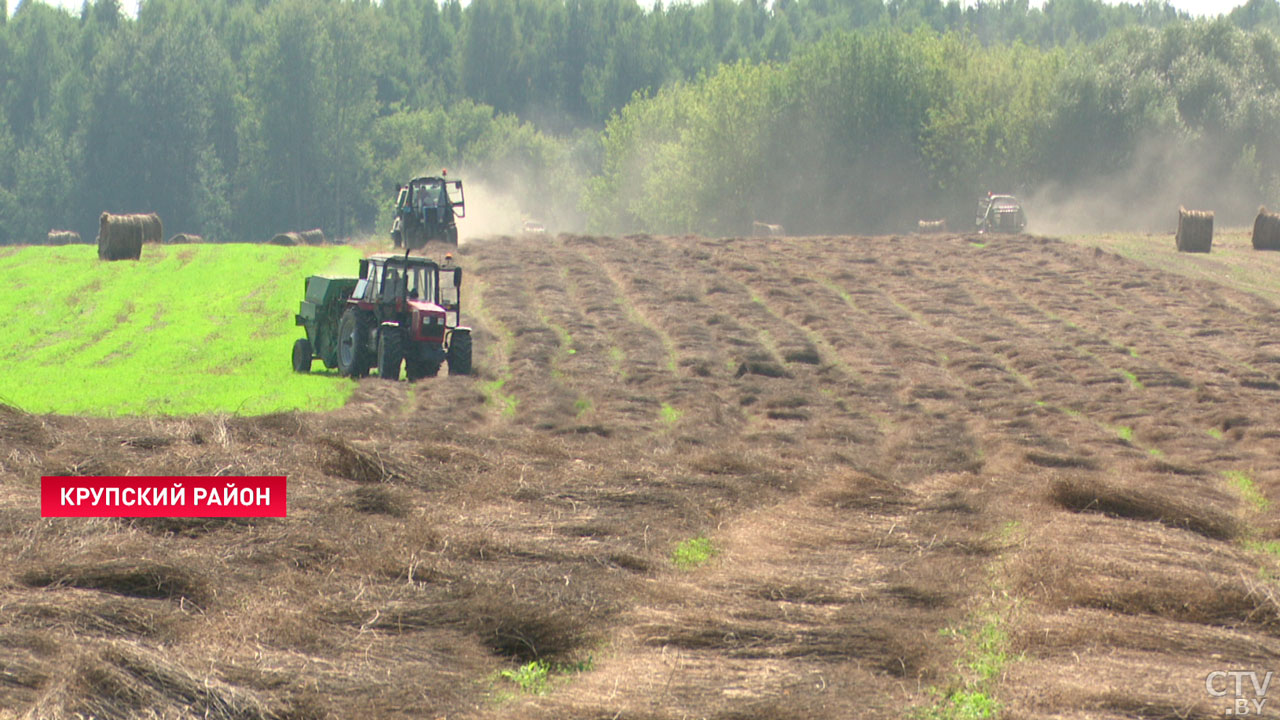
1195, 7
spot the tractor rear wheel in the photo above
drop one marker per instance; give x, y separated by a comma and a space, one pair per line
302, 355
459, 353
389, 354
396, 238
353, 357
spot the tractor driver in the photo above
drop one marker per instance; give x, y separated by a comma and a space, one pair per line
411, 279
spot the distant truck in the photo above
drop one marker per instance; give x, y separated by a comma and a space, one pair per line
401, 310
427, 209
1000, 213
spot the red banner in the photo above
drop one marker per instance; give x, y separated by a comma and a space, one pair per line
164, 496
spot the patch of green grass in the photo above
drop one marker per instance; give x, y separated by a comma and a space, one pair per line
616, 359
963, 705
507, 403
1132, 352
1125, 432
978, 245
693, 553
1133, 380
1270, 547
1155, 452
670, 415
582, 406
187, 329
1214, 433
985, 658
1010, 530
536, 677
989, 657
533, 677
1248, 490
566, 339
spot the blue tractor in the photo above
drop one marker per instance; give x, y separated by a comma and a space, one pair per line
427, 209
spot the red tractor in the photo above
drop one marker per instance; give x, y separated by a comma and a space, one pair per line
401, 310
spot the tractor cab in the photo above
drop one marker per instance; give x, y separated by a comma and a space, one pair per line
393, 283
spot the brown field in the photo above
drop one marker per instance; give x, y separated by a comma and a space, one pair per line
1016, 469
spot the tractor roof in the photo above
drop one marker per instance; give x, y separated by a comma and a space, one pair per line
397, 258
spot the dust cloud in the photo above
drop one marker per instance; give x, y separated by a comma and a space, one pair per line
490, 212
1144, 197
502, 197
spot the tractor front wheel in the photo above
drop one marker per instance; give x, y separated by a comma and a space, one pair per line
451, 235
302, 356
459, 353
389, 354
353, 357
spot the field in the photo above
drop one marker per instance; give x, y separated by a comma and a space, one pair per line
188, 329
938, 477
1233, 261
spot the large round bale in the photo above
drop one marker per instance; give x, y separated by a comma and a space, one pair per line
119, 237
1266, 230
184, 239
1195, 230
312, 237
62, 237
152, 228
286, 238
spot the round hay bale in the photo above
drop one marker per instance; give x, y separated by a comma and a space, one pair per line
152, 228
931, 226
287, 238
1195, 230
119, 237
62, 237
185, 238
312, 237
1266, 230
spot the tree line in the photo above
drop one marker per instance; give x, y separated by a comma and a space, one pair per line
873, 130
239, 118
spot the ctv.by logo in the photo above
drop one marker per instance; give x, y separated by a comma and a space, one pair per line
1221, 683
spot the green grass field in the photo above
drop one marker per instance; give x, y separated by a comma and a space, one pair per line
188, 329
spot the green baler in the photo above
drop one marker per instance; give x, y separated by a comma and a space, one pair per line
325, 300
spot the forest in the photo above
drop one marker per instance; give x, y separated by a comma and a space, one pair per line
236, 119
